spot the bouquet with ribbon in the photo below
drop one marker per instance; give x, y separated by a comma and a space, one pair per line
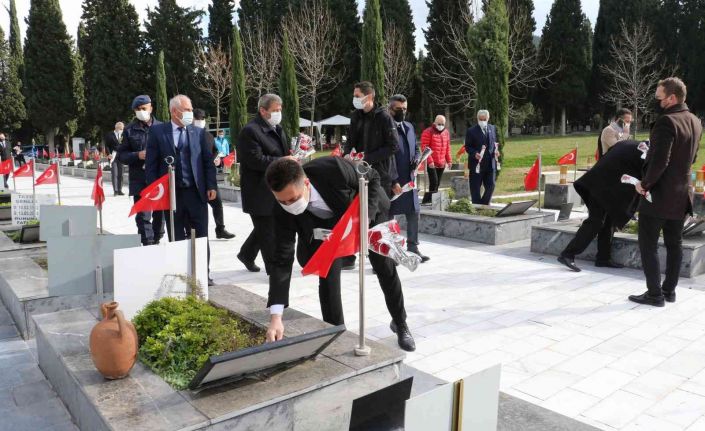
354, 156
406, 188
644, 148
385, 239
628, 179
479, 162
302, 147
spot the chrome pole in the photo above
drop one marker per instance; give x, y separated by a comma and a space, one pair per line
362, 349
172, 196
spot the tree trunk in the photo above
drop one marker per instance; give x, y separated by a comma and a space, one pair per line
563, 121
217, 117
313, 115
49, 136
553, 121
449, 122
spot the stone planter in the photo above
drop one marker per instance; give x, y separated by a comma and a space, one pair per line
230, 193
315, 395
552, 238
558, 194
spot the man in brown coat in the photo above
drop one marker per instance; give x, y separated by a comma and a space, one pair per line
675, 137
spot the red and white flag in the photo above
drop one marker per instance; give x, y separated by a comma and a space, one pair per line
73, 156
85, 155
44, 153
460, 153
98, 194
569, 159
7, 167
344, 240
24, 171
50, 176
154, 197
337, 151
531, 180
229, 160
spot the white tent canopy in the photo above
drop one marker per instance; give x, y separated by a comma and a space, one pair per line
303, 122
337, 120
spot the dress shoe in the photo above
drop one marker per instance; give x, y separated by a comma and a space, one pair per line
211, 282
569, 262
249, 264
669, 296
608, 264
404, 337
221, 233
423, 257
647, 299
349, 263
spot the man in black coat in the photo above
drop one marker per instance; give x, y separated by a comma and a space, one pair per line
5, 153
675, 138
133, 152
610, 203
317, 196
261, 142
483, 134
112, 143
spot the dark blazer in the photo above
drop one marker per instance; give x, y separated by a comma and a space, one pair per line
161, 145
380, 143
5, 151
675, 138
475, 139
336, 180
257, 146
408, 153
602, 184
134, 140
111, 142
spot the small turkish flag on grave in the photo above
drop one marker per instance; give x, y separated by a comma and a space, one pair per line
44, 153
50, 176
6, 167
531, 180
85, 155
229, 160
24, 171
154, 197
98, 194
569, 159
460, 152
73, 156
337, 152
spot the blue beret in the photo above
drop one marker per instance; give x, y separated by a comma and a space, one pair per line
140, 100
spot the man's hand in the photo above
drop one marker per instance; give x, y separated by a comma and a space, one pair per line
211, 194
396, 189
275, 331
478, 157
216, 161
142, 154
640, 189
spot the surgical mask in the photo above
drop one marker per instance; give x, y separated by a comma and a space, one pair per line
297, 207
658, 109
440, 127
201, 124
399, 116
275, 118
143, 115
482, 124
187, 118
358, 102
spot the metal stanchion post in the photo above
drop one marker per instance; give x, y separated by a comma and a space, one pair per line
58, 182
362, 349
172, 195
539, 182
193, 254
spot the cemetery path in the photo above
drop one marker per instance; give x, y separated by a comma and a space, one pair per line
570, 342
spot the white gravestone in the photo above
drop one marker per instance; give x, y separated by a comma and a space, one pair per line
67, 220
24, 208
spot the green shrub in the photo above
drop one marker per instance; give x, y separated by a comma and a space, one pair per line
464, 206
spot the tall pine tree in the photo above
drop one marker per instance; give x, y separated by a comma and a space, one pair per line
522, 27
288, 90
691, 46
372, 65
271, 11
16, 39
161, 109
11, 81
220, 24
238, 97
398, 13
49, 69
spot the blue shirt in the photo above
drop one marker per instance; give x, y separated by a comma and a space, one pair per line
222, 145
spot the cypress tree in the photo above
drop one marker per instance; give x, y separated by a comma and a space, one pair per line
238, 98
16, 39
691, 46
398, 13
372, 65
49, 69
12, 60
522, 26
288, 90
490, 44
272, 12
162, 108
220, 25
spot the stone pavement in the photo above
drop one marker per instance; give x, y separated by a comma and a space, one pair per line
569, 342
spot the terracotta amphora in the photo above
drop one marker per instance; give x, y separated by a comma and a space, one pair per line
113, 343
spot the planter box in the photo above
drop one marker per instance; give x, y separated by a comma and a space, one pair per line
486, 230
554, 237
230, 193
558, 194
315, 395
5, 213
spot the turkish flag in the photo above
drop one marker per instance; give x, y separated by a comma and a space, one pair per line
7, 167
51, 154
597, 155
344, 240
569, 159
154, 197
337, 151
44, 153
24, 171
73, 156
50, 176
97, 156
531, 180
229, 160
460, 152
85, 155
98, 194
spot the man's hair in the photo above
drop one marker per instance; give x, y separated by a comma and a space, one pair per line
365, 87
674, 86
119, 123
199, 114
283, 172
175, 101
267, 100
622, 112
397, 98
482, 112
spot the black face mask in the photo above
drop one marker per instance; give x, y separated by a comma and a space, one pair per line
399, 115
657, 107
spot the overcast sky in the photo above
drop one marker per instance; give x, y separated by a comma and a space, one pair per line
72, 13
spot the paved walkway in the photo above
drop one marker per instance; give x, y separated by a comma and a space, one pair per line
570, 342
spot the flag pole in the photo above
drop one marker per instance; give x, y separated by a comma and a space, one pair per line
172, 198
58, 182
575, 168
14, 180
34, 190
539, 181
100, 218
362, 349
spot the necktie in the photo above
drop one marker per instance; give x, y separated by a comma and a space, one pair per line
182, 139
319, 212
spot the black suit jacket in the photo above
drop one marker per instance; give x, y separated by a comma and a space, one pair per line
6, 151
336, 180
111, 142
257, 147
375, 133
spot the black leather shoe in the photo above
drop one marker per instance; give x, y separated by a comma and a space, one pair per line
423, 257
221, 233
569, 262
249, 264
608, 264
349, 263
647, 299
669, 296
404, 337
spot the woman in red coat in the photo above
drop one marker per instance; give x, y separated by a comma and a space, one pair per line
438, 139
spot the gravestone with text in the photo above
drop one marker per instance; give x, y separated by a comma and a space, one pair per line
26, 209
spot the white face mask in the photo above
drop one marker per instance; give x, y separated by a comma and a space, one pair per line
358, 102
201, 124
275, 118
143, 115
440, 128
187, 118
297, 207
482, 124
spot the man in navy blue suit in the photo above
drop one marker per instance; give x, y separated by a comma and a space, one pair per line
179, 142
482, 135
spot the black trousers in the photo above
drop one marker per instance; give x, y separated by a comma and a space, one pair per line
486, 179
260, 239
149, 224
649, 230
191, 213
434, 181
598, 224
217, 206
329, 290
116, 176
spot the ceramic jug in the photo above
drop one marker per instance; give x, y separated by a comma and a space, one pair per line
113, 343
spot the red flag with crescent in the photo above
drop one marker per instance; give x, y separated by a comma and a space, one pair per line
85, 155
154, 197
229, 160
460, 152
73, 156
531, 180
337, 151
24, 171
569, 159
44, 153
7, 167
50, 176
98, 194
344, 240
